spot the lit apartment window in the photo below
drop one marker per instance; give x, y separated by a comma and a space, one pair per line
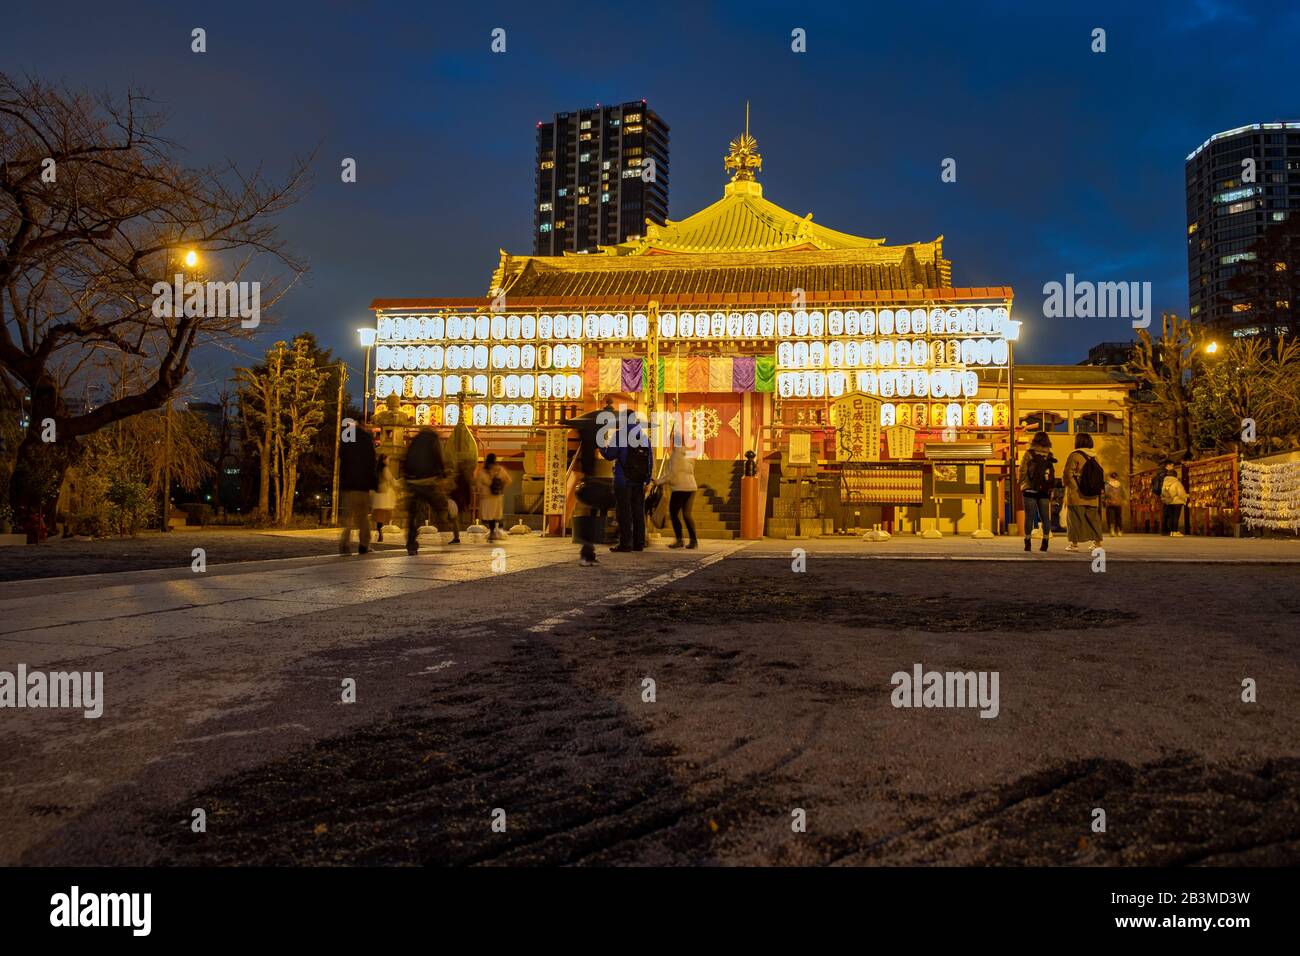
632, 118
1279, 267
605, 164
1237, 257
562, 192
1192, 228
549, 164
1241, 307
631, 130
584, 200
585, 124
544, 227
633, 162
561, 223
1241, 207
604, 197
584, 157
544, 207
585, 136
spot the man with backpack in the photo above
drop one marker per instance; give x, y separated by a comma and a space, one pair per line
628, 446
426, 476
1085, 483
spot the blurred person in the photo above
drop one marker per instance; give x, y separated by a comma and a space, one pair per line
357, 479
677, 473
492, 480
594, 492
384, 498
633, 460
1114, 504
425, 475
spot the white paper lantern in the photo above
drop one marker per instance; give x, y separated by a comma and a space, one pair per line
498, 356
852, 354
984, 321
750, 325
984, 351
450, 414
952, 322
512, 356
543, 386
903, 322
785, 355
888, 383
575, 326
481, 384
816, 324
451, 385
1000, 352
817, 354
593, 328
480, 415
984, 414
785, 324
885, 353
514, 325
620, 325
386, 327
835, 322
686, 325
903, 352
885, 322
527, 327
968, 321
936, 322
498, 326
970, 384
968, 351
482, 327
836, 383
920, 384
735, 325
435, 386
952, 415
382, 357
718, 326
640, 325
835, 354
766, 324
575, 356
888, 415
527, 386
437, 329
817, 384
867, 325
544, 327
801, 355
867, 353
938, 385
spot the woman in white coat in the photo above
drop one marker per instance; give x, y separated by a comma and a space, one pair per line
491, 482
678, 474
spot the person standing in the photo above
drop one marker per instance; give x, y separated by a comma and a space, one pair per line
1114, 505
1085, 483
384, 499
1173, 496
492, 481
425, 472
594, 492
357, 479
678, 473
1037, 481
629, 449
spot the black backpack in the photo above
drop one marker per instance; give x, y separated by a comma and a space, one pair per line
496, 485
636, 466
1040, 474
1092, 477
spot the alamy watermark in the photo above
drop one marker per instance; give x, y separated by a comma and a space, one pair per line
82, 690
1098, 300
242, 300
923, 688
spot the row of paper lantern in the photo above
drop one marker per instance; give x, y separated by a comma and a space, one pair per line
502, 326
817, 324
436, 357
617, 326
479, 414
936, 384
938, 415
502, 386
892, 352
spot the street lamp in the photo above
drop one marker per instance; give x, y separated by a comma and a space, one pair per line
367, 337
1012, 335
191, 259
1211, 348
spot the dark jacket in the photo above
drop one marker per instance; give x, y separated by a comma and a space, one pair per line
1034, 450
585, 426
617, 451
357, 464
424, 457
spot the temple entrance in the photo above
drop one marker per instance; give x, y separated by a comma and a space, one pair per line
719, 418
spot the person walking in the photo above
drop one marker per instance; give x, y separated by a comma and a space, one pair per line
1085, 483
357, 479
594, 490
492, 480
678, 473
1037, 481
1114, 505
629, 449
384, 498
425, 473
1173, 496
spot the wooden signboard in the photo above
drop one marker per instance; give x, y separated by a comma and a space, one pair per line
555, 490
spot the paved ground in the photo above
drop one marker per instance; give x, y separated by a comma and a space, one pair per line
521, 688
58, 557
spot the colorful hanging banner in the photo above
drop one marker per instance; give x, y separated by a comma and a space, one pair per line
765, 373
632, 375
720, 374
742, 373
611, 375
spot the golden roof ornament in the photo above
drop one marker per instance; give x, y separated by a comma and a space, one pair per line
743, 159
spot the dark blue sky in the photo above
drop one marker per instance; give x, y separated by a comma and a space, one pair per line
1067, 161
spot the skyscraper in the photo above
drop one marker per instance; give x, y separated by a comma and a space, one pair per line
1239, 183
601, 172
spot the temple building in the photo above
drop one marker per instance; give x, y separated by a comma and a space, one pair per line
868, 389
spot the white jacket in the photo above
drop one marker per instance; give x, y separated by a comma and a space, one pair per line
678, 471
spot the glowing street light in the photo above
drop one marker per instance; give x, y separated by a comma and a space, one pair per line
1211, 348
367, 337
191, 259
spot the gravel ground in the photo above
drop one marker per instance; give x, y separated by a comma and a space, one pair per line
149, 550
1118, 691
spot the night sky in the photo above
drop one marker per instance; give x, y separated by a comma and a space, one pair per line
1067, 161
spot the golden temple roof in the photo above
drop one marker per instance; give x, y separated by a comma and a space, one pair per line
741, 243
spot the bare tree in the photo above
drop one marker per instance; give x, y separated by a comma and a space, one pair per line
1161, 406
94, 212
